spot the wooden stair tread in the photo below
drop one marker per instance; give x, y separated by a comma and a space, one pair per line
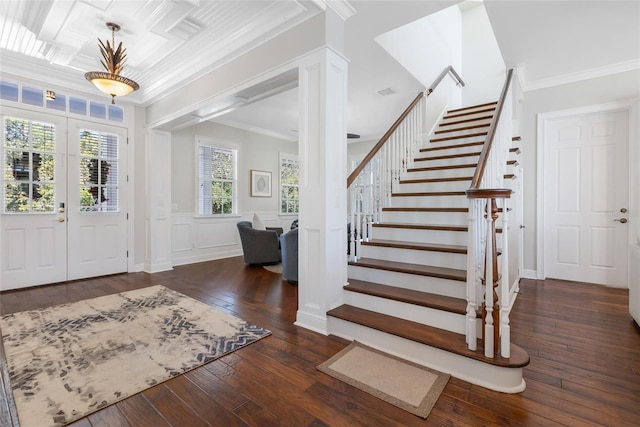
428, 180
437, 168
447, 147
428, 335
409, 296
452, 138
417, 269
434, 227
450, 156
457, 122
453, 116
419, 246
430, 194
481, 125
404, 209
455, 110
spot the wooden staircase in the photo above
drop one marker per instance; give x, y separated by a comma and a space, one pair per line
407, 289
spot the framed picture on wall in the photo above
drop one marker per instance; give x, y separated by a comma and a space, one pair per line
260, 183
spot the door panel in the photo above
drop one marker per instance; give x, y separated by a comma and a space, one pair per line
586, 186
33, 232
97, 185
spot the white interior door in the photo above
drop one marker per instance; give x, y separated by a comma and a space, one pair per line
97, 185
585, 198
33, 232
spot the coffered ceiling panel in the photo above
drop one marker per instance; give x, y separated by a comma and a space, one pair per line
168, 42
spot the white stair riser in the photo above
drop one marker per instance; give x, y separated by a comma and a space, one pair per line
412, 256
428, 162
475, 130
506, 380
440, 173
445, 126
452, 150
414, 187
428, 316
411, 235
453, 218
463, 139
433, 285
457, 201
448, 117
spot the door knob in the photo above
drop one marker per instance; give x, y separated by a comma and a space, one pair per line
60, 220
623, 210
621, 220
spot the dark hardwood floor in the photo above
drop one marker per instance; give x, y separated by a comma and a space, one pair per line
584, 371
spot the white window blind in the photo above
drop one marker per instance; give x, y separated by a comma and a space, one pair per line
216, 180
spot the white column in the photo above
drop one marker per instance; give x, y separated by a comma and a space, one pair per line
323, 193
158, 202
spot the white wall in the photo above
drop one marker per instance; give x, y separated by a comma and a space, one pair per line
483, 69
617, 87
196, 238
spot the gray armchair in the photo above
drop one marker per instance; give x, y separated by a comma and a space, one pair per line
289, 247
259, 246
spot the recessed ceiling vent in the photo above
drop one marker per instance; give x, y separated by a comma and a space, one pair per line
386, 92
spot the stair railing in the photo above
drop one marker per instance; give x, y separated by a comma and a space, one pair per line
488, 285
377, 176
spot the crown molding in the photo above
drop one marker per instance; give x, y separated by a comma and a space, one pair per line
592, 73
342, 8
254, 129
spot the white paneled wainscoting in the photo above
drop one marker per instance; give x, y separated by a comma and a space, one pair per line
199, 238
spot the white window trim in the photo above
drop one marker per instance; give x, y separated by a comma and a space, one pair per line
216, 143
286, 156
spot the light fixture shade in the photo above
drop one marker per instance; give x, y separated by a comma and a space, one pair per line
114, 58
112, 84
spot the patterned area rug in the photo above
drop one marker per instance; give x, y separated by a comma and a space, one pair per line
404, 384
70, 360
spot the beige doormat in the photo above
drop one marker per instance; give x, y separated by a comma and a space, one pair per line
404, 384
70, 360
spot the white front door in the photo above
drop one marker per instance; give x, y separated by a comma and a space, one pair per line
97, 184
33, 231
63, 212
585, 198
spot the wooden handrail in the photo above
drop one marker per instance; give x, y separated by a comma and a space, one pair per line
352, 177
442, 75
486, 148
488, 193
387, 135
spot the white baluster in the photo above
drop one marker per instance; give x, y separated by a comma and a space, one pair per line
488, 287
472, 327
505, 298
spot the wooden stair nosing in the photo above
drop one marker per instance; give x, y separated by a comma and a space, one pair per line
447, 147
453, 138
454, 116
481, 125
431, 247
516, 138
430, 194
404, 209
430, 180
409, 296
427, 335
455, 110
417, 269
437, 168
457, 122
450, 156
514, 150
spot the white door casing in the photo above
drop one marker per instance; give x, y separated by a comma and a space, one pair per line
33, 243
97, 185
585, 180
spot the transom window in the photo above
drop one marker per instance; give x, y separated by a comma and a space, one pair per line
216, 180
29, 166
289, 188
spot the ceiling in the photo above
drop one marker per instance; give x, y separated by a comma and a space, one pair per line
172, 42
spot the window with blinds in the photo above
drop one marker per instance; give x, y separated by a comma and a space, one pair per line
98, 171
216, 180
289, 177
29, 166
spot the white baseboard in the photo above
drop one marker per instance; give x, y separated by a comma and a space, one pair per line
529, 274
312, 322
